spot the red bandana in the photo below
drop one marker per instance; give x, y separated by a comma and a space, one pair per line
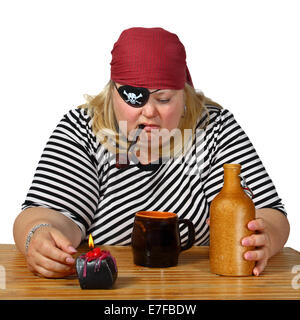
151, 58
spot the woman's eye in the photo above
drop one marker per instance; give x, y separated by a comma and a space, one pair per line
163, 100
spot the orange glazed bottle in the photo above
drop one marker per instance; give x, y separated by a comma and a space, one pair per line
230, 212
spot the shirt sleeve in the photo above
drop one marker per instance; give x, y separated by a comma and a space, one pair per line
66, 178
228, 143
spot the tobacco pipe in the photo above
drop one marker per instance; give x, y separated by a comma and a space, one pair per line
130, 149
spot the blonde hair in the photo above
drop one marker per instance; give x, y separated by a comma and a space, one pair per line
104, 121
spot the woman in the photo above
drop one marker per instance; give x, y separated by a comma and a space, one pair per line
84, 185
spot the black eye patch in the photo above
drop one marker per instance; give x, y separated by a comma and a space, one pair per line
134, 96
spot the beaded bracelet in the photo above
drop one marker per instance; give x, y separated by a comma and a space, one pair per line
32, 231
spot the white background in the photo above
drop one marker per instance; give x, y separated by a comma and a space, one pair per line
243, 54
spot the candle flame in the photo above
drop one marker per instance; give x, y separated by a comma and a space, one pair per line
91, 242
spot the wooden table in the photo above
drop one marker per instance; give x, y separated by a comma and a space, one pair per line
190, 280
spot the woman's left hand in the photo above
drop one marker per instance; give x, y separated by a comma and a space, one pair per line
261, 241
271, 230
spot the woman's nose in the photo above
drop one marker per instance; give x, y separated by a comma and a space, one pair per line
149, 110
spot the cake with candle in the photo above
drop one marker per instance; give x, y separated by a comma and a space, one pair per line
96, 269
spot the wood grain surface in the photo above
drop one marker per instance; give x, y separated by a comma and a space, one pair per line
191, 279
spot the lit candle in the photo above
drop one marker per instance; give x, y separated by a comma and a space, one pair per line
96, 269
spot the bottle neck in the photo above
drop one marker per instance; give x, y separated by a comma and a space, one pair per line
232, 181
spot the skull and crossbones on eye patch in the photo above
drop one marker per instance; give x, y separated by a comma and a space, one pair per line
136, 97
132, 98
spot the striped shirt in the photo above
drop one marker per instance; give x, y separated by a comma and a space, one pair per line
78, 177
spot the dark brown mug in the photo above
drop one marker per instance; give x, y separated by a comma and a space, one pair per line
156, 238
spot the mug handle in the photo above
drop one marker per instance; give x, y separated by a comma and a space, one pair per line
191, 233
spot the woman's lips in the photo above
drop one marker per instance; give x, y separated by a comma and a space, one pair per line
149, 127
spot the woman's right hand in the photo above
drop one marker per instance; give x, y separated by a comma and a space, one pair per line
50, 254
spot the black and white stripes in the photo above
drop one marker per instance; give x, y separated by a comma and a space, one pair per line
78, 177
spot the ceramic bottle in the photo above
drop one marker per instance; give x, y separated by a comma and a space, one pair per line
230, 212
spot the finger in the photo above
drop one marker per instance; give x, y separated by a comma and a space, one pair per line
62, 242
255, 255
53, 265
45, 245
45, 242
44, 267
257, 224
49, 250
255, 240
38, 258
41, 271
260, 266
